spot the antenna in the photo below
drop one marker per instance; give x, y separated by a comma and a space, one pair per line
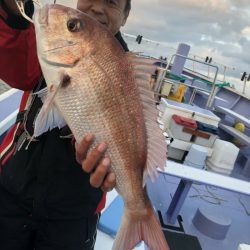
208, 60
139, 39
243, 76
248, 79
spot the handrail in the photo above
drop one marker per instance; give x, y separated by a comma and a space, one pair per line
8, 93
172, 76
213, 91
9, 117
8, 122
214, 88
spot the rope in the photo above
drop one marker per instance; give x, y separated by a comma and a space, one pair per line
208, 198
244, 206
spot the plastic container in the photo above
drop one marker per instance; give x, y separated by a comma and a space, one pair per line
212, 224
196, 156
244, 247
171, 108
223, 157
177, 124
183, 121
175, 153
223, 171
210, 130
207, 128
179, 94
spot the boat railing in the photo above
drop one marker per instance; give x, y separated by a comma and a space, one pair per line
9, 103
191, 76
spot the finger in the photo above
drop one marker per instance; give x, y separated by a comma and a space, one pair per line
83, 147
109, 182
89, 164
98, 176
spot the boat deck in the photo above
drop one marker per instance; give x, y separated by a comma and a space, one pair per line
221, 202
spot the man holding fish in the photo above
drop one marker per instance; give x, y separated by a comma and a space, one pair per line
46, 200
79, 82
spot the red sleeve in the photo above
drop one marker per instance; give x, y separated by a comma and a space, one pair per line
19, 66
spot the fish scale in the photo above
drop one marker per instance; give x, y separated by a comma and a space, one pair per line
100, 89
116, 101
95, 127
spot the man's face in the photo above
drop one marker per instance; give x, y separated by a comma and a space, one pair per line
110, 13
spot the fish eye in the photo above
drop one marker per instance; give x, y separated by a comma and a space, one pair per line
74, 25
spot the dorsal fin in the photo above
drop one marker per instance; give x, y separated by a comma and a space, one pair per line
157, 147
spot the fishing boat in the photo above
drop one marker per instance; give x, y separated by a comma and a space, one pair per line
203, 197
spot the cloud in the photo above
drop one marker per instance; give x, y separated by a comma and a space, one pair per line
216, 28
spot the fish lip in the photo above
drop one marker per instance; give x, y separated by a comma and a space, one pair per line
43, 15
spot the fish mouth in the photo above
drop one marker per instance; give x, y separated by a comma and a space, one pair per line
43, 15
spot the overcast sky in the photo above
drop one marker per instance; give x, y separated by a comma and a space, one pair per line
216, 28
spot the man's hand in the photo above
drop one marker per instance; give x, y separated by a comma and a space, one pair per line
95, 163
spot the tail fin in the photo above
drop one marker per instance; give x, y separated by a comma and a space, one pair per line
135, 229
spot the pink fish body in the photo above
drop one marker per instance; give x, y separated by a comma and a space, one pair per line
98, 88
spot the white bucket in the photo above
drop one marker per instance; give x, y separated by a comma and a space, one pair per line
196, 156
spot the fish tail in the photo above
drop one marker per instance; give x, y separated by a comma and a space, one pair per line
132, 231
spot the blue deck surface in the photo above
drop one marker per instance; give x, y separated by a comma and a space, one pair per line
9, 105
220, 202
236, 206
111, 217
